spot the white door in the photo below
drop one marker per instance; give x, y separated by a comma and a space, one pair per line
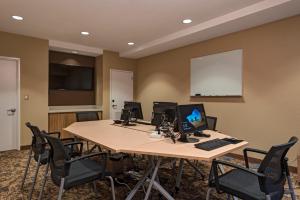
121, 89
8, 104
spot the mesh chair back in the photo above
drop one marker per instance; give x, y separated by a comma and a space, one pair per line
273, 167
38, 141
211, 123
58, 156
87, 116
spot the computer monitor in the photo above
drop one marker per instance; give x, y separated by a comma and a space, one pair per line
125, 116
191, 119
163, 111
135, 109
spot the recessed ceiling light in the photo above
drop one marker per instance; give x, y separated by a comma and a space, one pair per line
19, 18
75, 52
187, 21
85, 33
130, 43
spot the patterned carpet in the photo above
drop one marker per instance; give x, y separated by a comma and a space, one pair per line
12, 165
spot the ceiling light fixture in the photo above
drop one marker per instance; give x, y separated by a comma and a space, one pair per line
187, 21
19, 18
84, 33
130, 43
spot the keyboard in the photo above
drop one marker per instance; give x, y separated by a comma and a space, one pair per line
212, 144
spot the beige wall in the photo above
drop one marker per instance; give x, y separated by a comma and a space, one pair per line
112, 60
268, 113
34, 78
99, 85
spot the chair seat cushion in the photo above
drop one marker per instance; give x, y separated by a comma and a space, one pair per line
81, 172
242, 184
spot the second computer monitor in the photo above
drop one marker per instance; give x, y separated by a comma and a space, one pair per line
135, 108
191, 119
163, 110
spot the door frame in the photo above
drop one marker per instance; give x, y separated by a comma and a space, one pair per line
18, 60
110, 86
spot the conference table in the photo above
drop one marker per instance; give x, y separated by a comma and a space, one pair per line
136, 140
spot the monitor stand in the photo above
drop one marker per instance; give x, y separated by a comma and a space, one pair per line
186, 139
200, 134
127, 123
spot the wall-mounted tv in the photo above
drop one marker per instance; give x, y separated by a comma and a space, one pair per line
69, 77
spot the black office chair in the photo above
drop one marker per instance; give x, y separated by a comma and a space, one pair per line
88, 116
211, 123
265, 183
39, 152
67, 173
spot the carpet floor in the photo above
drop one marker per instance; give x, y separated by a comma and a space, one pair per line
12, 166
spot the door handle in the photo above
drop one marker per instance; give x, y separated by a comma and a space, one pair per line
11, 111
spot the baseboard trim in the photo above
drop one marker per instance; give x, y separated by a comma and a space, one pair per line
25, 147
256, 160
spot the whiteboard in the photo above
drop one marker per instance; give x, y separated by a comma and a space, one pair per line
218, 74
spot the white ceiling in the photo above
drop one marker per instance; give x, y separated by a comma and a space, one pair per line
154, 25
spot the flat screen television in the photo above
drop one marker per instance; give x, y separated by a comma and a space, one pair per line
69, 77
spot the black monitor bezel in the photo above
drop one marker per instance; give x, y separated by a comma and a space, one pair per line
181, 131
162, 104
134, 104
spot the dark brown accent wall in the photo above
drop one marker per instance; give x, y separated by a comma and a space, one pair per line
71, 97
64, 97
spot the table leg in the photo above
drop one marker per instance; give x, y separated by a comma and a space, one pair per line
179, 175
157, 186
152, 178
140, 183
153, 182
195, 168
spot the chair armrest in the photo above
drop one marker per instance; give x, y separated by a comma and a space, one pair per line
69, 162
87, 156
75, 143
219, 162
55, 133
246, 150
67, 139
255, 150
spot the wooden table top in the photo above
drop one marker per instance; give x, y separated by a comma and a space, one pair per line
136, 139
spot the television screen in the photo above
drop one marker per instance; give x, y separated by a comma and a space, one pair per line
67, 77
